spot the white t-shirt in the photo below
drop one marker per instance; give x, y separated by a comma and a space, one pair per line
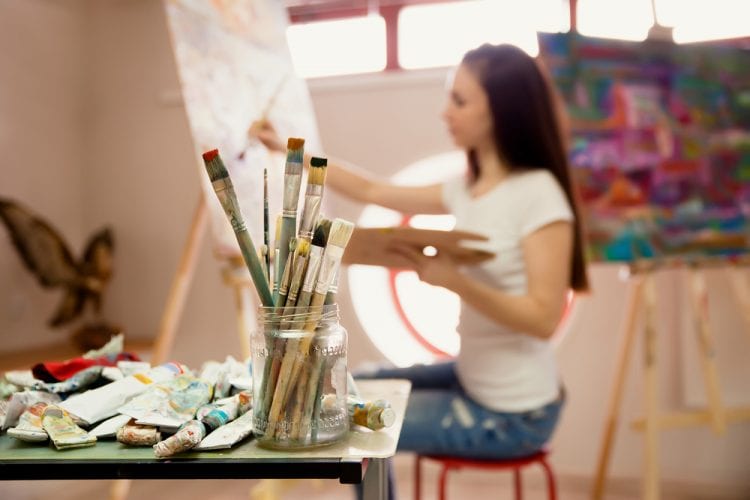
499, 368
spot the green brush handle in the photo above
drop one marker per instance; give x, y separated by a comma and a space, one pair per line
288, 231
255, 267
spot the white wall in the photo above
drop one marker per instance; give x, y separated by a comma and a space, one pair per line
139, 173
42, 88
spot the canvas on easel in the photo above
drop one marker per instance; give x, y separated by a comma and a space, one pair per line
235, 68
661, 160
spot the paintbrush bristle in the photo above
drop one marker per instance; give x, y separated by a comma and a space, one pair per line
322, 230
295, 150
316, 175
277, 235
214, 166
303, 248
341, 231
320, 237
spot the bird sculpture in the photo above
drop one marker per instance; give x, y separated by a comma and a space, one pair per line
46, 254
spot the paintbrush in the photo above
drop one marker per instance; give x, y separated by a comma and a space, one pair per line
224, 190
292, 183
265, 223
316, 177
317, 247
276, 256
300, 260
286, 278
296, 351
333, 289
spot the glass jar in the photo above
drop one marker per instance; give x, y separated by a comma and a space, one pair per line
299, 377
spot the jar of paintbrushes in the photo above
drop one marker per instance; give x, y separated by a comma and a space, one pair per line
299, 347
299, 377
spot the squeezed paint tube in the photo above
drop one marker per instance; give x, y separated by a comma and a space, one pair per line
3, 411
20, 401
186, 438
374, 415
7, 389
103, 402
63, 432
133, 434
169, 404
109, 428
29, 426
129, 368
83, 378
228, 435
22, 378
112, 373
217, 414
114, 346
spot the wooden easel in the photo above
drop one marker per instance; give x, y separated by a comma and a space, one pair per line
642, 297
234, 274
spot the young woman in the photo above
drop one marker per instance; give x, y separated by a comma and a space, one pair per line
502, 395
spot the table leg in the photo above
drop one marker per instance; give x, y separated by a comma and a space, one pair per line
375, 482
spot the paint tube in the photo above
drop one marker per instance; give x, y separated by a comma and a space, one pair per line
109, 428
63, 432
112, 373
83, 378
133, 434
7, 389
169, 404
20, 401
129, 368
114, 346
103, 402
186, 438
246, 401
3, 411
29, 426
228, 435
22, 378
374, 415
220, 413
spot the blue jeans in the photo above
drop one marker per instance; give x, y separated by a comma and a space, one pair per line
441, 419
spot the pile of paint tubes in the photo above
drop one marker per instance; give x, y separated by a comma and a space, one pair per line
166, 406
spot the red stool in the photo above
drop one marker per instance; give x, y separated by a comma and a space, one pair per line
516, 464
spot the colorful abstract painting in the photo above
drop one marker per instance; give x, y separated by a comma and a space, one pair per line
661, 145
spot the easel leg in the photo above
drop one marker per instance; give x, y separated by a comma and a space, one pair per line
738, 278
173, 310
651, 459
119, 489
707, 352
243, 301
180, 286
615, 398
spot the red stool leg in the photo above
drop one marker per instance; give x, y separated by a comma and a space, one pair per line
551, 485
443, 482
518, 483
418, 477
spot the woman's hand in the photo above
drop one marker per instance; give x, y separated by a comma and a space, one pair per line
263, 131
438, 269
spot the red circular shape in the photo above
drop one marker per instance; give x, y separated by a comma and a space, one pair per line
421, 340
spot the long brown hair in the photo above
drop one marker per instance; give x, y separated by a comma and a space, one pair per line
527, 126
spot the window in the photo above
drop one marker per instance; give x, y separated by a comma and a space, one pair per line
621, 19
342, 46
439, 34
715, 20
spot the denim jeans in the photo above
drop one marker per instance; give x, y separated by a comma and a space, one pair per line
442, 420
